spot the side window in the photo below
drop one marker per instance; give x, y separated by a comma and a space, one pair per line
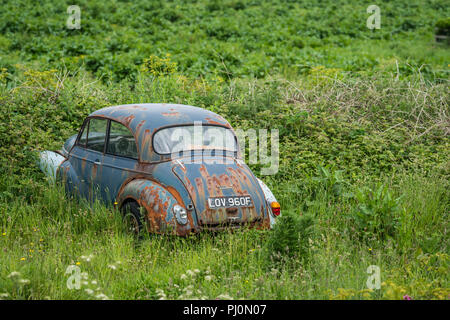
83, 137
96, 134
121, 141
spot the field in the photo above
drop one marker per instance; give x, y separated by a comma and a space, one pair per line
363, 120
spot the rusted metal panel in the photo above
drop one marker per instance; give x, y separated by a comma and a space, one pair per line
207, 177
158, 202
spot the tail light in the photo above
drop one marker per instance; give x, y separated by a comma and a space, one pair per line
276, 209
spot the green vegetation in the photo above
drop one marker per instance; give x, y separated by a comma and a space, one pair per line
363, 120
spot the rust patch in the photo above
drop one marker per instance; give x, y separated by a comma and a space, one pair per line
223, 123
157, 206
94, 171
83, 164
127, 120
171, 114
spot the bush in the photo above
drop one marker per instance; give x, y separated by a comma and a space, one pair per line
443, 27
157, 66
331, 180
376, 215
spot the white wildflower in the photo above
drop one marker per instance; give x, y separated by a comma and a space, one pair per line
161, 295
102, 296
190, 272
14, 274
87, 258
208, 278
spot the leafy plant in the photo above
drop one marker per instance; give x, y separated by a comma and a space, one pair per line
332, 180
290, 238
443, 27
376, 213
159, 66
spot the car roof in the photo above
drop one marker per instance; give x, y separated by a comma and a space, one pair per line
153, 116
143, 120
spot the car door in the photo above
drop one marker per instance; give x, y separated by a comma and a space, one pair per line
119, 161
87, 155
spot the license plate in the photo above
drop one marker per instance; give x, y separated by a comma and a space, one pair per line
230, 201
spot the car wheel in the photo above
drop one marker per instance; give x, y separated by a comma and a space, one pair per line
133, 218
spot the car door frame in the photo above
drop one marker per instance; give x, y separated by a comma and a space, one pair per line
86, 160
124, 165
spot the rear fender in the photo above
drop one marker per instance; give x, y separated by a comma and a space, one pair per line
269, 199
158, 202
49, 162
67, 175
57, 169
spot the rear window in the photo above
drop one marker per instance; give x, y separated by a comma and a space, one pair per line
194, 137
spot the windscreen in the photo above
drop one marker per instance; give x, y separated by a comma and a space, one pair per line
193, 137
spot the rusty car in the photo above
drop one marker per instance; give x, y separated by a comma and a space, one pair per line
169, 168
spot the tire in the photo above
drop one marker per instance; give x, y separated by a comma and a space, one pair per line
133, 218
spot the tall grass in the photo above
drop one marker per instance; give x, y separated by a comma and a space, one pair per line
46, 233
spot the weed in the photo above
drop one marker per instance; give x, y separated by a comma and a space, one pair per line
290, 239
376, 213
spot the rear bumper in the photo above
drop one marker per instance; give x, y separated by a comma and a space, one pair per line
257, 224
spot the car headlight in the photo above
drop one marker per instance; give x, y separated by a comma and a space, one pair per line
180, 214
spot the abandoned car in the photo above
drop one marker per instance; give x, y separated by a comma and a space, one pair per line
167, 167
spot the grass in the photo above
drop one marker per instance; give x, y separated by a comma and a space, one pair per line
45, 234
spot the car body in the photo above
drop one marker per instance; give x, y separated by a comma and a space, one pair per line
126, 155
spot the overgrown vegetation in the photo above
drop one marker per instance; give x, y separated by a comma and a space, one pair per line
290, 240
364, 149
